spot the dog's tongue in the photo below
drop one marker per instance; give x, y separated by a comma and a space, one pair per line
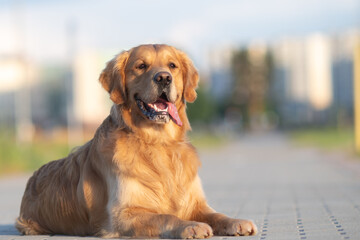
174, 113
171, 109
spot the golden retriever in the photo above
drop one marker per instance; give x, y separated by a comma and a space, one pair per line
138, 176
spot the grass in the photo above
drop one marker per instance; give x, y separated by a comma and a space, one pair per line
26, 157
327, 138
206, 140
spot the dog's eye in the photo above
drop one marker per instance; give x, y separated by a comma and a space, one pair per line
172, 65
142, 66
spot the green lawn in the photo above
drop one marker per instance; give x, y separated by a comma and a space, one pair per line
207, 140
327, 138
25, 157
16, 158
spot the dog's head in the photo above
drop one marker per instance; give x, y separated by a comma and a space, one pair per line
152, 82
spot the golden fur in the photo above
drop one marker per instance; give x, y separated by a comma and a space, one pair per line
136, 177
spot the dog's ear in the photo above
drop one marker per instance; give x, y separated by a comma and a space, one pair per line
191, 77
112, 78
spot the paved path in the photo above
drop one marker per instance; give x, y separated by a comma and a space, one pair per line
290, 192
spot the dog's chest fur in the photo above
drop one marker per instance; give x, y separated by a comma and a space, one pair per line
155, 176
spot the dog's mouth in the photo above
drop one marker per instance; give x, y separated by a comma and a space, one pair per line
160, 111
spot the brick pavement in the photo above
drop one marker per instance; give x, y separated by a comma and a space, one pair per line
290, 192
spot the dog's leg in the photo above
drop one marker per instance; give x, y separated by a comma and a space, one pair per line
223, 225
138, 222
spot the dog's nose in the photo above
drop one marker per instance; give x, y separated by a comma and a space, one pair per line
163, 78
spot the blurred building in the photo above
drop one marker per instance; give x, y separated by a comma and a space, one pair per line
303, 67
42, 96
342, 75
314, 78
311, 82
220, 78
17, 76
91, 101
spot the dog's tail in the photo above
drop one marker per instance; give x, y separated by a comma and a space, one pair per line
28, 227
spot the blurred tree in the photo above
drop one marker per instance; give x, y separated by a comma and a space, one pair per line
252, 71
204, 109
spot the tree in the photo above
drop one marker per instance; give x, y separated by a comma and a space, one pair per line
252, 73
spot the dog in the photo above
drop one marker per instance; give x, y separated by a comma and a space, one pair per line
138, 176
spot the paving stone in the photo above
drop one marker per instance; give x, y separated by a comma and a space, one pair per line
289, 192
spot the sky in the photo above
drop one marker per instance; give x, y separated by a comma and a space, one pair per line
39, 28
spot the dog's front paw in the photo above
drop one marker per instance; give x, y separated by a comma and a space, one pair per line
196, 230
236, 227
